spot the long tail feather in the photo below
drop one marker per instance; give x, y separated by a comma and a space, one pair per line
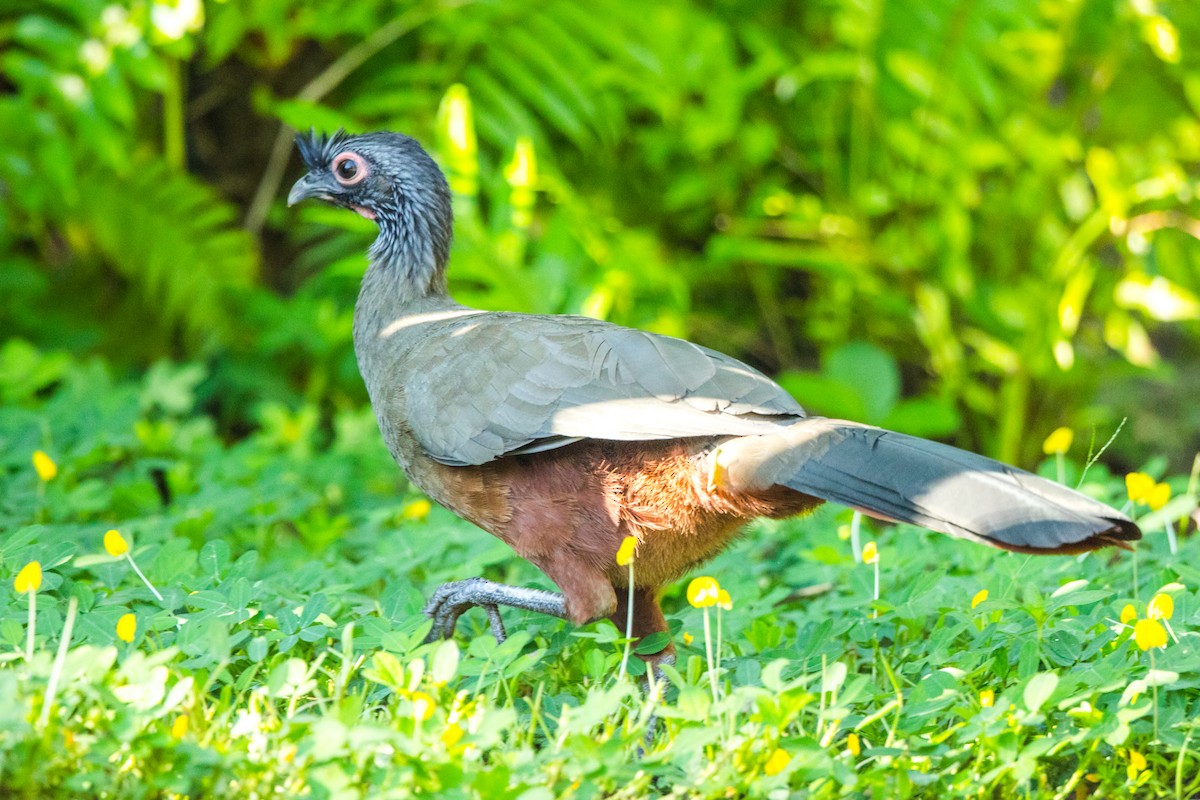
903, 478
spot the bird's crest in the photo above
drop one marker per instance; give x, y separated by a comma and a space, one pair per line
318, 149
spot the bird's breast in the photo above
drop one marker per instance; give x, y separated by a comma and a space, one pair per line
581, 500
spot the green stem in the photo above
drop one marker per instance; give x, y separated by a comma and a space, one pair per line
535, 711
1094, 457
875, 611
708, 652
628, 623
32, 626
1154, 689
1179, 764
59, 659
145, 580
720, 636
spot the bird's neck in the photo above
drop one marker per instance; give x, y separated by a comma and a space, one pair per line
407, 272
413, 243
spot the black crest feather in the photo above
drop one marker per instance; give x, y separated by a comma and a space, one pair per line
318, 149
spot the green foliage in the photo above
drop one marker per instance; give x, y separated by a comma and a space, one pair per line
93, 202
287, 650
861, 382
203, 231
973, 221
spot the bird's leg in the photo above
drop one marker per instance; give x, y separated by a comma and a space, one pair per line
451, 599
655, 680
647, 619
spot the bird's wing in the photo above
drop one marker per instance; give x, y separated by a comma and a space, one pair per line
490, 385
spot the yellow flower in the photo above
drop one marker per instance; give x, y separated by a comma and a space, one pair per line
115, 544
1137, 763
1142, 489
980, 596
416, 510
1138, 484
29, 579
44, 466
452, 734
702, 592
870, 553
1128, 614
127, 628
423, 706
1161, 607
180, 726
1149, 633
1058, 442
688, 639
987, 698
724, 600
1158, 496
625, 551
853, 745
778, 762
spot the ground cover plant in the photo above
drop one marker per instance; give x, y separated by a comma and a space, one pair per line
996, 201
286, 652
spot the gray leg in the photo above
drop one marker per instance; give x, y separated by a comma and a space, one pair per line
652, 725
451, 599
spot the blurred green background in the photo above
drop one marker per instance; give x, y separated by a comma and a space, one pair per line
974, 221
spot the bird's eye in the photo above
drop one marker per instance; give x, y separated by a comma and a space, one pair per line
349, 168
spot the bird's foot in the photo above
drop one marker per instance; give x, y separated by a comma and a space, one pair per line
450, 600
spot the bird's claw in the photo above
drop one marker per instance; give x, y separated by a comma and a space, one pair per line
452, 599
449, 602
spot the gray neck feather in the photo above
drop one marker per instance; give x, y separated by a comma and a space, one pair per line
407, 272
414, 242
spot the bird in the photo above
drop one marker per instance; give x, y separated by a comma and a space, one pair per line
563, 435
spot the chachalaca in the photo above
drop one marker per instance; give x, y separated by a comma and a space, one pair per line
562, 435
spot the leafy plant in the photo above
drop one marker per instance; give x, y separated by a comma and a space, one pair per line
287, 647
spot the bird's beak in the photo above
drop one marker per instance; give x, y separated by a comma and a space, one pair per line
307, 187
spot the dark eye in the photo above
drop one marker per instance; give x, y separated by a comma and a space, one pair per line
349, 168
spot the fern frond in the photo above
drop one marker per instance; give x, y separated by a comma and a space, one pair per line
172, 236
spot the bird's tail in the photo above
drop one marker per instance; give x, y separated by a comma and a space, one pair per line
903, 478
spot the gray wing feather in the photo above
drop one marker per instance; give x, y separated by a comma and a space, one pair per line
496, 384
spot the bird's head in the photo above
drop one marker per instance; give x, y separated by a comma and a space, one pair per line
389, 178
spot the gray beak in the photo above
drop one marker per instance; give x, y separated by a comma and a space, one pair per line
306, 187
